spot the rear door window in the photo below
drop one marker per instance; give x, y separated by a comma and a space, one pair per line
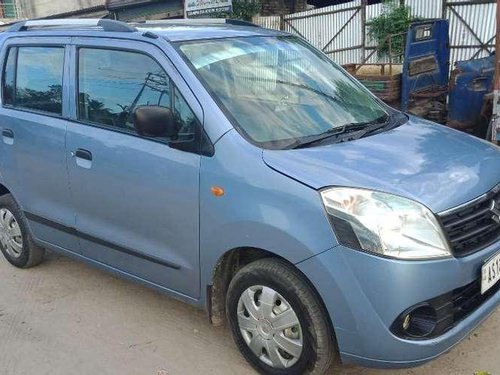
33, 78
9, 77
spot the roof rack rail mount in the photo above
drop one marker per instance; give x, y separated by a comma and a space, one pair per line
197, 21
105, 24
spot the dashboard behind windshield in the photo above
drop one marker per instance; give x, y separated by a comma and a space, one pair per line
278, 90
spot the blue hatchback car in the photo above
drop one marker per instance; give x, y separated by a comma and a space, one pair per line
241, 170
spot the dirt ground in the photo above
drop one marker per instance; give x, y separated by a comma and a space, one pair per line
64, 318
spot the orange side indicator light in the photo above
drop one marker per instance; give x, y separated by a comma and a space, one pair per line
217, 191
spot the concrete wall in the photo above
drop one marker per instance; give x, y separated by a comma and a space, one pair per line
44, 8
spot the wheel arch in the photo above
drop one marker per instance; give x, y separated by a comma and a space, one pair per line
4, 190
225, 269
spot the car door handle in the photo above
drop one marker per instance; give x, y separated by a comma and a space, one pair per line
83, 154
8, 133
8, 136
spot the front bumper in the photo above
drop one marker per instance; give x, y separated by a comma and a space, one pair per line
364, 294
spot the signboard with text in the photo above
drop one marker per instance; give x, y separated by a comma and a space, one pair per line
204, 7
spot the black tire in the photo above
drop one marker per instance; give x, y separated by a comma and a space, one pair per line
318, 351
31, 254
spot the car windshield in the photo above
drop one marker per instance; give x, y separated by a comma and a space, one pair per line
279, 90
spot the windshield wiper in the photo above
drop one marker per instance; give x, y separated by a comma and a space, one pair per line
391, 121
363, 127
372, 127
309, 140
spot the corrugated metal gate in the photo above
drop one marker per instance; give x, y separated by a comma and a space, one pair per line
337, 30
341, 31
472, 28
334, 30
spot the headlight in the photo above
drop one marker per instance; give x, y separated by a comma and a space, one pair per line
384, 224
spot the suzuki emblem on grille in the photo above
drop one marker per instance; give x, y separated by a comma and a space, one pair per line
496, 211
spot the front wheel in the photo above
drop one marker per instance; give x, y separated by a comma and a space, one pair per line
277, 321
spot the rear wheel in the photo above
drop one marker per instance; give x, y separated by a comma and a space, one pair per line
277, 321
16, 242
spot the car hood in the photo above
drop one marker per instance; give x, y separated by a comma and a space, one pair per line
430, 163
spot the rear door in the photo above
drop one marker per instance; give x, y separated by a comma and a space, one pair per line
424, 85
33, 121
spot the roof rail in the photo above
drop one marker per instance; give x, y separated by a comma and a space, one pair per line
241, 22
105, 24
198, 21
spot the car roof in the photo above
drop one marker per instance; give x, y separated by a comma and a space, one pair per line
181, 32
172, 30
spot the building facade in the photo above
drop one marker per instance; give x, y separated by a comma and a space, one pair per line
139, 10
126, 10
47, 8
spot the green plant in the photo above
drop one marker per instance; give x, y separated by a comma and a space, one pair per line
242, 10
245, 9
394, 21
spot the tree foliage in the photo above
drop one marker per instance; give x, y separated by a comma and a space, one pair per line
242, 10
245, 9
395, 19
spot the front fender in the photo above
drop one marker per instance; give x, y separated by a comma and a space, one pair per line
260, 208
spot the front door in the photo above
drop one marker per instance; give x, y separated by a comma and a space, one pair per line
136, 197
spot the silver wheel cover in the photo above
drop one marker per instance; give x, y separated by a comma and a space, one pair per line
270, 326
11, 237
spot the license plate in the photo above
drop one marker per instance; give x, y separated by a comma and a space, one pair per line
490, 273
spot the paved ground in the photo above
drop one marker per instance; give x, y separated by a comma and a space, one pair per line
66, 318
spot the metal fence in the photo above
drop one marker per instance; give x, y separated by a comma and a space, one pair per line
342, 31
472, 28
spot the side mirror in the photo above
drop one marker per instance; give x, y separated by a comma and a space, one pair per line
155, 121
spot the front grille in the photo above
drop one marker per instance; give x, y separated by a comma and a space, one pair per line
473, 226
